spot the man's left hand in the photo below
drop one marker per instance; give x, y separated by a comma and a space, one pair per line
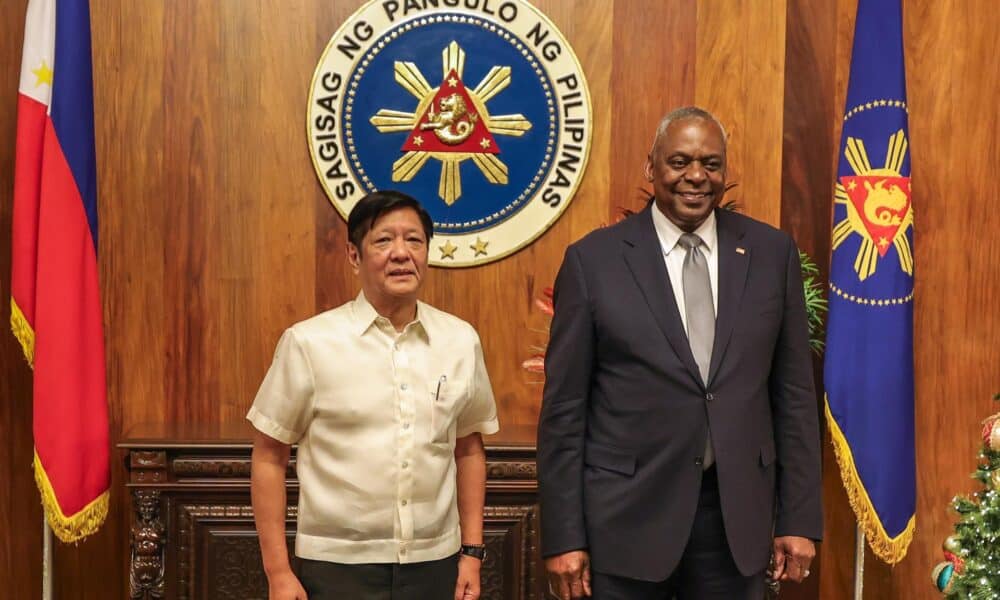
467, 586
792, 557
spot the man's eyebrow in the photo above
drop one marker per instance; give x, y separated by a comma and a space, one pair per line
683, 154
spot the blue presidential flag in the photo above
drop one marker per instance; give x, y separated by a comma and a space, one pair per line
869, 347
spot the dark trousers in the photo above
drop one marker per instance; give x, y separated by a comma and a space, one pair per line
431, 580
706, 570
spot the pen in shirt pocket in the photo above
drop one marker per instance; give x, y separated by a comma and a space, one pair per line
437, 394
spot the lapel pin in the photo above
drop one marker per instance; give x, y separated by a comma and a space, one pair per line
740, 250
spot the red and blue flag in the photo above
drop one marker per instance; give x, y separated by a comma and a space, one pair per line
55, 298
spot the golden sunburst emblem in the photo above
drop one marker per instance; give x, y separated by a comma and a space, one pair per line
451, 123
877, 201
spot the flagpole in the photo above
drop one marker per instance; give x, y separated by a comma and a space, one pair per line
859, 563
46, 560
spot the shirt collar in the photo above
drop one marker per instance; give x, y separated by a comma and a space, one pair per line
669, 233
365, 316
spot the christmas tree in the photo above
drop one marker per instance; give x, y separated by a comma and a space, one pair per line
972, 554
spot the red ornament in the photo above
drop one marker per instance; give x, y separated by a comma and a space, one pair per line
955, 560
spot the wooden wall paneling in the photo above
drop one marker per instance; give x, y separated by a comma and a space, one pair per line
740, 71
334, 282
135, 201
653, 72
806, 192
955, 154
284, 244
837, 558
807, 171
20, 509
198, 125
278, 192
235, 241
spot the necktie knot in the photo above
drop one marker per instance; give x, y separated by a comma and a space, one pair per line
689, 241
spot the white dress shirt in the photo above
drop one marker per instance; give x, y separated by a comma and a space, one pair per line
375, 414
674, 253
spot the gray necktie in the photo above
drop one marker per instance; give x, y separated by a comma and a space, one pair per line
699, 311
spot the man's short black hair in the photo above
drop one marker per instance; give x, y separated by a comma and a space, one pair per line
376, 204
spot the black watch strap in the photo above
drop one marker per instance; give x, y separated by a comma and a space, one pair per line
474, 550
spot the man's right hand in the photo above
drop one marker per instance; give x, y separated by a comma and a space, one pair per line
569, 574
285, 586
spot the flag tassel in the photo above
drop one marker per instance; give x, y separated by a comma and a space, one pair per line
890, 549
23, 332
71, 528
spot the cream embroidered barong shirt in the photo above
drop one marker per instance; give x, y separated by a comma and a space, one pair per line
375, 414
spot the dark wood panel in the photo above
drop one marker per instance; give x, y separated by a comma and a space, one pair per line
653, 73
740, 75
806, 183
192, 522
955, 154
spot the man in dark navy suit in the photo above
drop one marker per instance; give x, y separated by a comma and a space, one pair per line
678, 444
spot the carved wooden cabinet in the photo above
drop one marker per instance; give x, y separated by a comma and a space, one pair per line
192, 530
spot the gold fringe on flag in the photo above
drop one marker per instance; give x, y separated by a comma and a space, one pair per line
71, 528
23, 332
890, 549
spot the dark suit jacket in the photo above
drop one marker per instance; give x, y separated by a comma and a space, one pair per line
625, 413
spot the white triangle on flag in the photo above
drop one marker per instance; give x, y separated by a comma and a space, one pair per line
39, 50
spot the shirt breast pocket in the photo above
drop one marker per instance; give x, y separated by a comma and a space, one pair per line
446, 397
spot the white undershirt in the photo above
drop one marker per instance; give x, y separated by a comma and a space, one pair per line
674, 253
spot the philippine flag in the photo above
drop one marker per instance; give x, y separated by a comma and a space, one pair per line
55, 299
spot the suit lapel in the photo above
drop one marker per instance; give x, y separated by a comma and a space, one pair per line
733, 267
644, 258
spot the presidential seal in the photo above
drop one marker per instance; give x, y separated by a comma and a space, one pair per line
875, 201
872, 241
478, 108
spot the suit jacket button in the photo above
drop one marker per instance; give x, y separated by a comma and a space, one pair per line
709, 397
697, 461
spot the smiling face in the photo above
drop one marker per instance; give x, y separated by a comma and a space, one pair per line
392, 259
688, 169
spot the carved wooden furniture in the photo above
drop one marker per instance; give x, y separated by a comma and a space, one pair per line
192, 531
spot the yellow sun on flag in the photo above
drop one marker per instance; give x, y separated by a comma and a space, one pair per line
877, 203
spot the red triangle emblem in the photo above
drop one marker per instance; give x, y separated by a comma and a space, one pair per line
451, 123
882, 202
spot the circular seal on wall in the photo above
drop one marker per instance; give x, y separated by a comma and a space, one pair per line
477, 108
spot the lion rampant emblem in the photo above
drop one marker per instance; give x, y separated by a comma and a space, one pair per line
883, 205
453, 124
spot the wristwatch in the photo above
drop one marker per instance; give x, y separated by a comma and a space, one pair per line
474, 550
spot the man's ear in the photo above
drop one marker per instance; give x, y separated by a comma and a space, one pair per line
647, 169
354, 257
